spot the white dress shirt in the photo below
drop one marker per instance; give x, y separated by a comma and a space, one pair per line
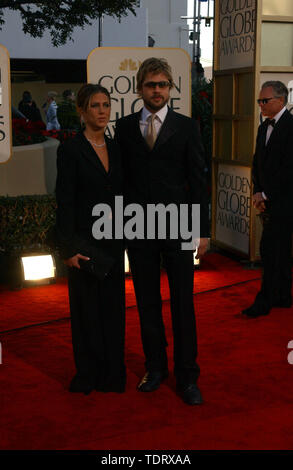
276, 118
160, 118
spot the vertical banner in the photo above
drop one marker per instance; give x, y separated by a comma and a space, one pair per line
233, 207
5, 106
236, 33
115, 68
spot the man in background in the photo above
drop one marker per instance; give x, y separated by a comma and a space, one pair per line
272, 176
66, 112
29, 108
50, 108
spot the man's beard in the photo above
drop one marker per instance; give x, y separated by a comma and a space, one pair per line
156, 107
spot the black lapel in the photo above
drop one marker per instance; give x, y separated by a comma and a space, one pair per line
262, 136
169, 127
135, 132
89, 153
275, 135
111, 155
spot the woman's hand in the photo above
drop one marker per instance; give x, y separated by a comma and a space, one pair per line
73, 261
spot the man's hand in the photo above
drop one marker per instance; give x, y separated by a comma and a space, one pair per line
258, 201
202, 247
73, 261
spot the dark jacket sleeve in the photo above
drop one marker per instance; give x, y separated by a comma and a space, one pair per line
197, 177
257, 188
279, 186
66, 201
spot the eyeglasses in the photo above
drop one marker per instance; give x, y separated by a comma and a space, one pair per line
155, 84
265, 100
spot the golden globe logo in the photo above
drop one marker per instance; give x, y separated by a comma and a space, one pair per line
129, 64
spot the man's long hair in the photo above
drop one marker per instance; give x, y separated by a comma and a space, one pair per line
153, 65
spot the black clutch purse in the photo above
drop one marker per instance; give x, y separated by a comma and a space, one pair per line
100, 262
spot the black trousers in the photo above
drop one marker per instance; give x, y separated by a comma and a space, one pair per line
98, 326
275, 250
145, 263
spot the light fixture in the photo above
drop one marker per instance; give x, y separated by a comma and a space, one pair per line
127, 267
38, 268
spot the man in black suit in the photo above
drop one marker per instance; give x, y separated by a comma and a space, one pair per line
272, 176
163, 163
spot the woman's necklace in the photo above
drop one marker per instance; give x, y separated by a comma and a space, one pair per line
96, 145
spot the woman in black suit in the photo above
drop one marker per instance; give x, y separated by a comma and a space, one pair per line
89, 173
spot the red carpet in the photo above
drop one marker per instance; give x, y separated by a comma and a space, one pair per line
22, 308
246, 379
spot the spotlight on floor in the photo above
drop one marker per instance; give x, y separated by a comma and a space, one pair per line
127, 268
38, 268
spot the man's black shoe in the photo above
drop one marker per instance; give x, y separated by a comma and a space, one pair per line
152, 381
190, 394
255, 311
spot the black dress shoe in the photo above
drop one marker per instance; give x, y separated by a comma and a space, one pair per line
152, 381
190, 394
255, 311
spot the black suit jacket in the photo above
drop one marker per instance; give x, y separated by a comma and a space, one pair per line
272, 171
172, 172
82, 182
